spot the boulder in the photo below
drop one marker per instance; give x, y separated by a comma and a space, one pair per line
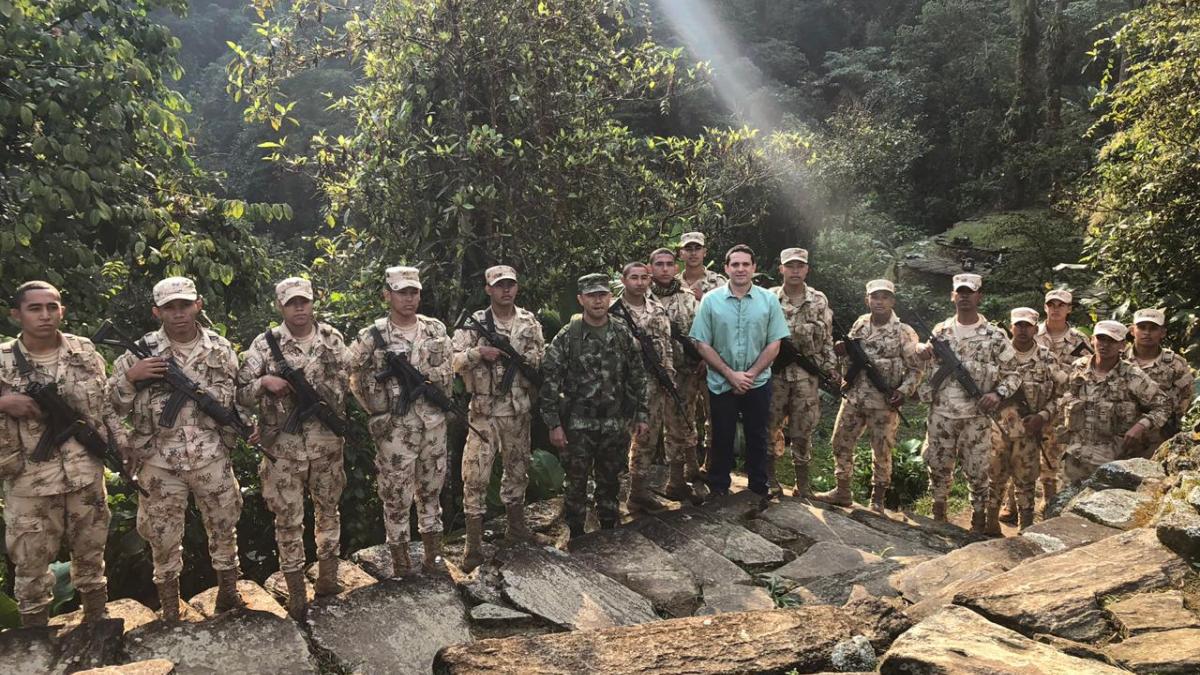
1066, 531
1060, 594
394, 626
706, 565
1178, 528
1179, 453
721, 598
1129, 474
377, 560
725, 537
924, 579
1121, 509
150, 667
1063, 497
853, 655
132, 612
881, 620
932, 603
482, 585
957, 640
38, 651
1150, 612
1170, 651
825, 558
633, 560
235, 642
828, 525
257, 598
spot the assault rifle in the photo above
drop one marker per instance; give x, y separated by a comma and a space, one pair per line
861, 364
689, 347
650, 356
414, 384
309, 402
514, 361
1081, 348
789, 354
950, 364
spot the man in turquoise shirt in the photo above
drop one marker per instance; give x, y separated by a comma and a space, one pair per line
738, 328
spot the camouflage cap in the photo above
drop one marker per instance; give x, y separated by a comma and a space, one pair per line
691, 238
1060, 294
881, 285
499, 273
787, 255
594, 283
399, 278
971, 281
1113, 329
174, 288
1151, 315
293, 287
1026, 314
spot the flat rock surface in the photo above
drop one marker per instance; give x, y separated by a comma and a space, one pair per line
256, 597
1114, 508
36, 651
706, 565
932, 603
1128, 474
727, 538
552, 585
239, 641
391, 626
1149, 612
921, 580
1172, 651
1052, 594
835, 589
633, 560
957, 640
825, 558
132, 612
722, 598
350, 576
829, 525
1066, 531
150, 667
487, 613
929, 533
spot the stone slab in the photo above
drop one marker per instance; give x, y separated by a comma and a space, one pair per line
1128, 474
150, 667
721, 598
1113, 508
44, 650
1066, 531
238, 642
132, 612
932, 603
706, 565
835, 589
729, 539
1150, 612
257, 598
638, 563
488, 614
1171, 651
829, 525
826, 558
919, 581
929, 533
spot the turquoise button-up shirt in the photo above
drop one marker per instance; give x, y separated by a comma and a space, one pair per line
738, 329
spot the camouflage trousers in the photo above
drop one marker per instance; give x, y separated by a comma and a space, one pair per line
1017, 458
967, 441
283, 484
694, 393
798, 402
33, 533
509, 435
1080, 460
1051, 455
600, 455
643, 446
851, 422
411, 467
161, 514
681, 436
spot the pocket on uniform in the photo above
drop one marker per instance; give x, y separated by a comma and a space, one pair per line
24, 525
11, 461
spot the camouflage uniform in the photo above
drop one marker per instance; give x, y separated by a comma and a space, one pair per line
309, 459
63, 494
1065, 349
503, 417
1174, 377
190, 457
595, 387
957, 430
892, 347
681, 437
795, 395
653, 320
411, 449
1016, 454
709, 281
1097, 410
696, 403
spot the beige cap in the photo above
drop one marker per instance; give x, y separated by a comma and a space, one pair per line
971, 281
880, 285
1113, 329
174, 288
787, 255
399, 278
1152, 315
499, 273
691, 238
1026, 314
1060, 294
293, 287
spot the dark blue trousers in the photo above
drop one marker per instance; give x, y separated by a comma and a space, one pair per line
726, 410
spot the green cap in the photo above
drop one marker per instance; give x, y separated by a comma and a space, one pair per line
593, 283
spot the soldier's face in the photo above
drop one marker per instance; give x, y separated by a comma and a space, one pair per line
297, 314
740, 268
663, 269
404, 302
636, 281
881, 303
595, 305
1148, 334
1107, 349
503, 293
1023, 334
40, 313
793, 272
693, 255
1057, 311
178, 316
965, 299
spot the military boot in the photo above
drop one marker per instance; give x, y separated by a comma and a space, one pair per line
1049, 492
432, 563
838, 496
678, 489
327, 577
168, 599
803, 489
773, 486
878, 495
518, 530
297, 590
93, 604
939, 510
691, 466
1025, 518
640, 497
35, 619
227, 593
1009, 513
473, 551
991, 522
401, 564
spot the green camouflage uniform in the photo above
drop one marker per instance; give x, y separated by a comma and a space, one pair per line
653, 320
795, 395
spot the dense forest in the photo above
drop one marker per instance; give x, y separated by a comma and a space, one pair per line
241, 141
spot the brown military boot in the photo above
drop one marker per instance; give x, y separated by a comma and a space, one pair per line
227, 593
838, 496
401, 564
473, 552
1025, 518
939, 510
678, 489
327, 577
35, 619
168, 599
432, 563
878, 495
991, 522
640, 497
978, 520
803, 488
297, 601
773, 486
1008, 514
93, 604
518, 530
1049, 492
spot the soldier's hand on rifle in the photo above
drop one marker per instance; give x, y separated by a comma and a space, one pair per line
989, 402
489, 354
276, 386
255, 436
151, 368
896, 399
839, 348
925, 351
19, 406
1133, 437
1034, 424
558, 437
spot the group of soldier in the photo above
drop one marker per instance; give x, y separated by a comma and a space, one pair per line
619, 377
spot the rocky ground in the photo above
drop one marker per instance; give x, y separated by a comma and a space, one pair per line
1109, 584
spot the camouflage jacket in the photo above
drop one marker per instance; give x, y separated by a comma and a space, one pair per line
1099, 409
196, 440
892, 347
482, 379
82, 382
430, 353
653, 320
681, 311
1173, 376
988, 357
1043, 381
1066, 347
709, 281
811, 324
326, 369
593, 383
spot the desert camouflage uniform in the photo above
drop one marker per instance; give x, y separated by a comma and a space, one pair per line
681, 437
892, 347
190, 457
697, 403
1015, 454
795, 395
1097, 410
503, 417
309, 459
709, 281
1174, 377
653, 320
411, 449
65, 494
957, 430
1065, 348
595, 388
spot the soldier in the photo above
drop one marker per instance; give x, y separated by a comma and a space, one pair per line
191, 457
681, 438
1109, 406
310, 456
796, 396
593, 397
64, 493
502, 412
695, 276
892, 348
1020, 436
1169, 371
410, 457
959, 427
